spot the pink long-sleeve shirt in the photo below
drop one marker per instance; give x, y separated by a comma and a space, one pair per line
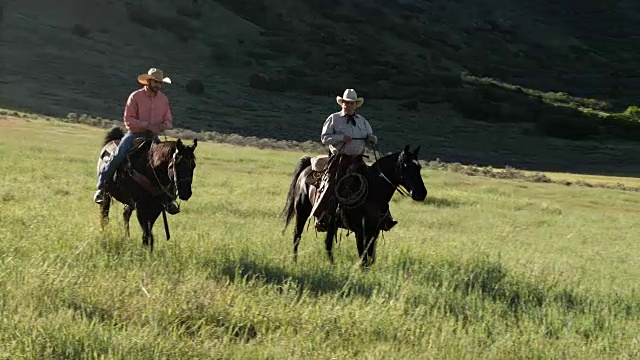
144, 108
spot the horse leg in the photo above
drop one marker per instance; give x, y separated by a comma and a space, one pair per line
152, 219
359, 232
372, 232
104, 210
362, 249
303, 210
332, 229
143, 218
371, 249
126, 215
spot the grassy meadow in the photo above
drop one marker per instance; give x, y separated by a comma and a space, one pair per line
484, 269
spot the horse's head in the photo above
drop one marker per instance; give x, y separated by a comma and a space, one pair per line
182, 166
409, 172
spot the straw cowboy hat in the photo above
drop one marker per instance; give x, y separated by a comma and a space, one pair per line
350, 95
153, 74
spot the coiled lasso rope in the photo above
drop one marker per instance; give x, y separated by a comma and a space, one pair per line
346, 195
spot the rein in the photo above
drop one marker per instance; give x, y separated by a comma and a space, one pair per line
397, 187
173, 177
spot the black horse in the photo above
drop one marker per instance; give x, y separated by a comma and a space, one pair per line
149, 177
383, 178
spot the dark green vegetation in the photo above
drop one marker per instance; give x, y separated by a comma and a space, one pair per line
539, 85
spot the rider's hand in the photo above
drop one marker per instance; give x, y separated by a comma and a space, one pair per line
372, 139
155, 128
347, 139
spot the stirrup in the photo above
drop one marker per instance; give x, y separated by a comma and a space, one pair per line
322, 223
320, 226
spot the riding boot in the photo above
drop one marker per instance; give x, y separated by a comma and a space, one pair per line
326, 216
322, 208
387, 222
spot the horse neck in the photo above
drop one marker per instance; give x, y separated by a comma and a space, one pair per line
386, 166
158, 162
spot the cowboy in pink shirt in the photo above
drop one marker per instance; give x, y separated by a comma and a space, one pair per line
146, 114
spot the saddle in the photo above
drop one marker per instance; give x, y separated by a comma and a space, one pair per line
141, 145
319, 165
138, 144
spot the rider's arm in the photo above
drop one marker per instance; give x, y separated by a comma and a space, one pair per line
131, 115
167, 119
370, 137
328, 136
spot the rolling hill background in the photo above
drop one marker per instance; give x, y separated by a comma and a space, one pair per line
537, 85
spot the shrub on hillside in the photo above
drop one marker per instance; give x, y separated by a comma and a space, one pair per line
633, 111
80, 30
559, 98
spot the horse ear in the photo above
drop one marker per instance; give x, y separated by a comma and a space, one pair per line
415, 151
407, 148
195, 143
179, 144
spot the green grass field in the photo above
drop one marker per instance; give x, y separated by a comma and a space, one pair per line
484, 269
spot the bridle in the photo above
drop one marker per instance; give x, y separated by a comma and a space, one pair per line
397, 187
171, 189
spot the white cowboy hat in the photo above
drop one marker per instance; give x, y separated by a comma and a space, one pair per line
153, 74
350, 95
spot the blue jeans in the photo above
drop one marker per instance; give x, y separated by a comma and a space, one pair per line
126, 143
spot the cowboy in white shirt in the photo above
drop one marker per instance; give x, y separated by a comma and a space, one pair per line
347, 134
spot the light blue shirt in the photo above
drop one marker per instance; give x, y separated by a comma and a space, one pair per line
336, 127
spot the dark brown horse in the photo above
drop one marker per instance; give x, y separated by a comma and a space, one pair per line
383, 178
149, 177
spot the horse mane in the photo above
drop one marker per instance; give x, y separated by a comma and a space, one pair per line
386, 158
161, 152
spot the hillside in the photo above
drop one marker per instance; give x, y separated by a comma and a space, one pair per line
273, 68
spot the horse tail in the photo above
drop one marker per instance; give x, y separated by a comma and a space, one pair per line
116, 133
289, 207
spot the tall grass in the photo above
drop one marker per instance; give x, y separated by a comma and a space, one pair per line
485, 268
